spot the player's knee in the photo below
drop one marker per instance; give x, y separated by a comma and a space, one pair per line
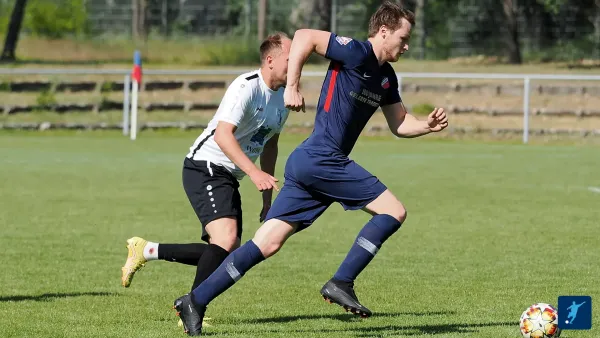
268, 242
270, 248
387, 204
227, 241
271, 236
223, 232
399, 213
402, 214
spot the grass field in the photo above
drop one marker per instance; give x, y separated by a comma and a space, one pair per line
492, 228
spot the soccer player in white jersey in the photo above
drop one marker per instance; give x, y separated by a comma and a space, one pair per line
246, 125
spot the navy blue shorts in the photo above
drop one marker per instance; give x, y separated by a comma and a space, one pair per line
314, 179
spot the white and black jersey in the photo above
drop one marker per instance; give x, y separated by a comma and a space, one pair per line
256, 110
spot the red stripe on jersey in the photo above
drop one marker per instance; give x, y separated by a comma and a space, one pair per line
334, 73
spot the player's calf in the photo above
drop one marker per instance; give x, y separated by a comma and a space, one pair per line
234, 267
141, 251
368, 242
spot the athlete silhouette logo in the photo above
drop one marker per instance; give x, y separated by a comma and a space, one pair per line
573, 312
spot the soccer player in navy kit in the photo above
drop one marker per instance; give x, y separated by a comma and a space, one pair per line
319, 172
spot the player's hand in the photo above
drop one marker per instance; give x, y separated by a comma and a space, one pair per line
293, 99
437, 120
263, 213
264, 181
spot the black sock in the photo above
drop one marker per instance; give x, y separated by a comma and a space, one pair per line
213, 256
182, 253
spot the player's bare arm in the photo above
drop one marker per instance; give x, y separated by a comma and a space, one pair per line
406, 125
231, 148
305, 42
268, 160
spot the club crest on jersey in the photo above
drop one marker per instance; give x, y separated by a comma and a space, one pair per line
385, 83
260, 135
342, 40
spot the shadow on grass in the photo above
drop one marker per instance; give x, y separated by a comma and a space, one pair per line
46, 297
343, 317
387, 330
432, 329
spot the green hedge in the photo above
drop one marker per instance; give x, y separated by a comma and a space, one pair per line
52, 19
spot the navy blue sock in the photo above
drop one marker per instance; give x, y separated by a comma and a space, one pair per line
368, 242
229, 272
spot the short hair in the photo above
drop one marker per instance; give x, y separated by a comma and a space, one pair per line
271, 43
389, 14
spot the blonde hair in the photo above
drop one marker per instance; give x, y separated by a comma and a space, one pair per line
271, 43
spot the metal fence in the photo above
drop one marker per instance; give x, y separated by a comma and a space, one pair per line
526, 78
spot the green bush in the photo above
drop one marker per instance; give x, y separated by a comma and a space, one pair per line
562, 51
227, 52
56, 19
214, 52
107, 86
46, 98
232, 53
422, 109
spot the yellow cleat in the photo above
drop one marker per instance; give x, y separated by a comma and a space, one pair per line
135, 259
204, 323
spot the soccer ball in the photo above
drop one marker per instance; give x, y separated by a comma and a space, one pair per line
540, 320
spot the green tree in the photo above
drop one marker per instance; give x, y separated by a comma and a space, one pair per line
552, 5
56, 18
12, 34
512, 37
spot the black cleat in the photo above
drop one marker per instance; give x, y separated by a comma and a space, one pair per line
342, 294
190, 315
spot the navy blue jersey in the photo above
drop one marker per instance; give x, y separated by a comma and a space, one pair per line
355, 86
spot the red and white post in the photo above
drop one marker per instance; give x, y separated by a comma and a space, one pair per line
136, 77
